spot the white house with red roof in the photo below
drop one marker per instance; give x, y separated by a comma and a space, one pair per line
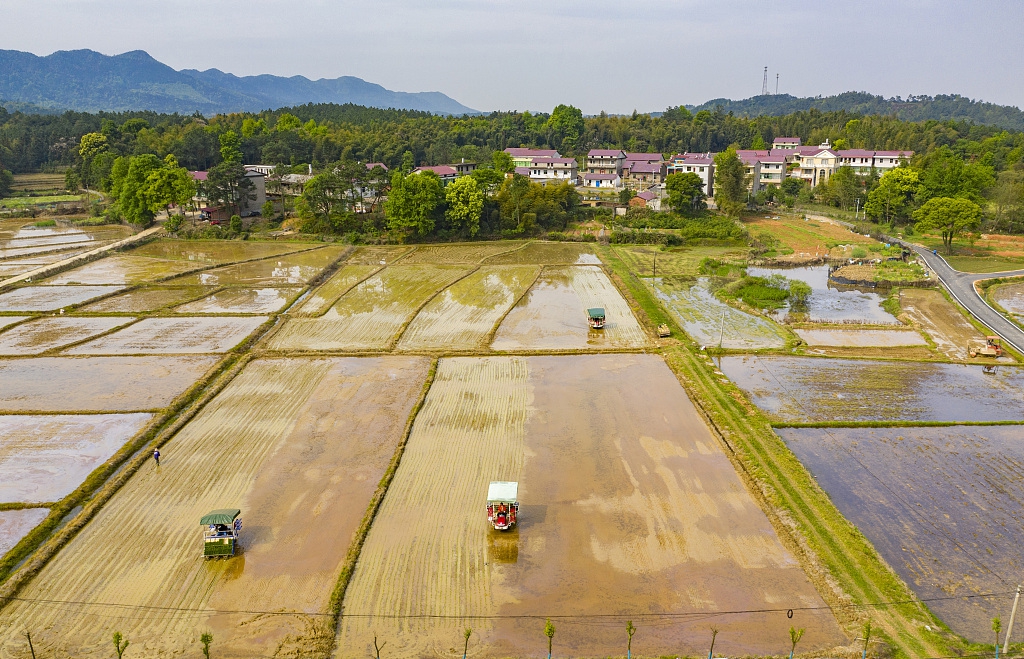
602, 180
786, 143
641, 175
886, 160
522, 157
605, 161
553, 170
773, 169
445, 172
817, 165
701, 164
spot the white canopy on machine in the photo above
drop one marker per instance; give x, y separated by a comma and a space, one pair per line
503, 491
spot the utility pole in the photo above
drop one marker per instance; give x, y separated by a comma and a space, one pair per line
1009, 627
764, 83
31, 649
776, 84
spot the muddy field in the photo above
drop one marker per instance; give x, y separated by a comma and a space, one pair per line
173, 336
321, 299
242, 300
14, 524
623, 511
463, 315
124, 269
299, 446
939, 319
829, 304
464, 254
942, 505
553, 314
805, 389
51, 298
149, 298
860, 338
202, 252
45, 457
283, 270
546, 254
370, 316
44, 334
97, 384
1010, 297
709, 321
373, 255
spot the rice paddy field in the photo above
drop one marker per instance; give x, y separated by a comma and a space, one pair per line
536, 253
300, 446
288, 269
860, 338
15, 524
242, 301
623, 511
829, 303
46, 334
942, 505
324, 297
552, 315
148, 298
941, 320
173, 336
1010, 297
123, 269
51, 298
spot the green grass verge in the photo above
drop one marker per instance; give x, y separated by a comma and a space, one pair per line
848, 572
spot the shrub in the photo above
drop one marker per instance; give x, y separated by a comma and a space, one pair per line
174, 223
761, 292
572, 237
859, 253
235, 224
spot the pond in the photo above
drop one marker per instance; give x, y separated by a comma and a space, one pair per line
831, 304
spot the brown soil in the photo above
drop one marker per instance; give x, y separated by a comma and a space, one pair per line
45, 334
51, 298
628, 508
173, 335
942, 321
299, 446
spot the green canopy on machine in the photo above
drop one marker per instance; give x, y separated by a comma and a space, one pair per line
220, 516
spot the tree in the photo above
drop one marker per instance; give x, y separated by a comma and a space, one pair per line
90, 146
322, 200
997, 626
630, 630
120, 644
730, 182
867, 638
685, 193
168, 185
206, 639
408, 162
625, 195
227, 185
948, 216
794, 637
466, 633
567, 122
799, 291
412, 205
514, 193
758, 143
895, 192
549, 631
465, 204
714, 633
947, 175
503, 162
129, 187
231, 147
842, 188
6, 182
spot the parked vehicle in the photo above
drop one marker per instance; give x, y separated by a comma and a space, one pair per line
993, 348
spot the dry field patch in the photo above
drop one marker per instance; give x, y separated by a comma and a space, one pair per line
463, 315
276, 271
44, 334
51, 298
321, 299
242, 300
458, 254
547, 254
299, 446
807, 238
98, 384
940, 320
860, 338
370, 316
553, 314
45, 457
628, 508
15, 524
123, 269
149, 298
173, 335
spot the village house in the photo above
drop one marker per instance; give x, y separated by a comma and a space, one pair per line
701, 164
817, 165
785, 143
646, 199
522, 157
446, 173
601, 180
557, 170
251, 205
463, 168
605, 161
773, 170
641, 175
751, 171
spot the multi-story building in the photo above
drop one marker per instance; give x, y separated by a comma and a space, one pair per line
886, 160
522, 157
701, 164
751, 171
817, 165
447, 173
773, 170
553, 170
786, 143
863, 161
463, 168
642, 175
605, 161
602, 180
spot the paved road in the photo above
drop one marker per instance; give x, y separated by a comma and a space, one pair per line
961, 286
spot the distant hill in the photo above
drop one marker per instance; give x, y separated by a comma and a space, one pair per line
87, 81
915, 108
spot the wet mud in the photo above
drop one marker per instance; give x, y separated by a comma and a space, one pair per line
242, 300
15, 525
123, 269
860, 338
173, 335
44, 334
282, 270
51, 298
547, 254
150, 298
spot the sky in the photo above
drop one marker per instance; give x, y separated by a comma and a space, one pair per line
642, 55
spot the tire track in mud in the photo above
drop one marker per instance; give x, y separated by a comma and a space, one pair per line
424, 554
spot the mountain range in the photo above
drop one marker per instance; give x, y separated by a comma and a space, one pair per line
88, 81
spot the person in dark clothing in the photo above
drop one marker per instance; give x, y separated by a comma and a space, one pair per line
156, 456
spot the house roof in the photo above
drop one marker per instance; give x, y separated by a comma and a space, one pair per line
772, 159
787, 140
554, 161
600, 177
816, 151
894, 154
440, 170
253, 172
856, 153
295, 178
371, 165
199, 176
751, 152
647, 195
645, 167
523, 171
750, 159
537, 153
693, 160
605, 153
645, 157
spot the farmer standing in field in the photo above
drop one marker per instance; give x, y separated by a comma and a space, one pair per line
156, 456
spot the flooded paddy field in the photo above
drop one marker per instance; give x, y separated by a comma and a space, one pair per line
676, 262
44, 334
15, 525
123, 269
173, 335
148, 298
45, 457
297, 268
709, 321
51, 298
1010, 297
627, 505
464, 314
859, 338
97, 384
370, 316
941, 320
553, 314
242, 300
7, 321
458, 254
321, 299
808, 390
300, 447
374, 254
203, 252
546, 254
829, 304
943, 506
